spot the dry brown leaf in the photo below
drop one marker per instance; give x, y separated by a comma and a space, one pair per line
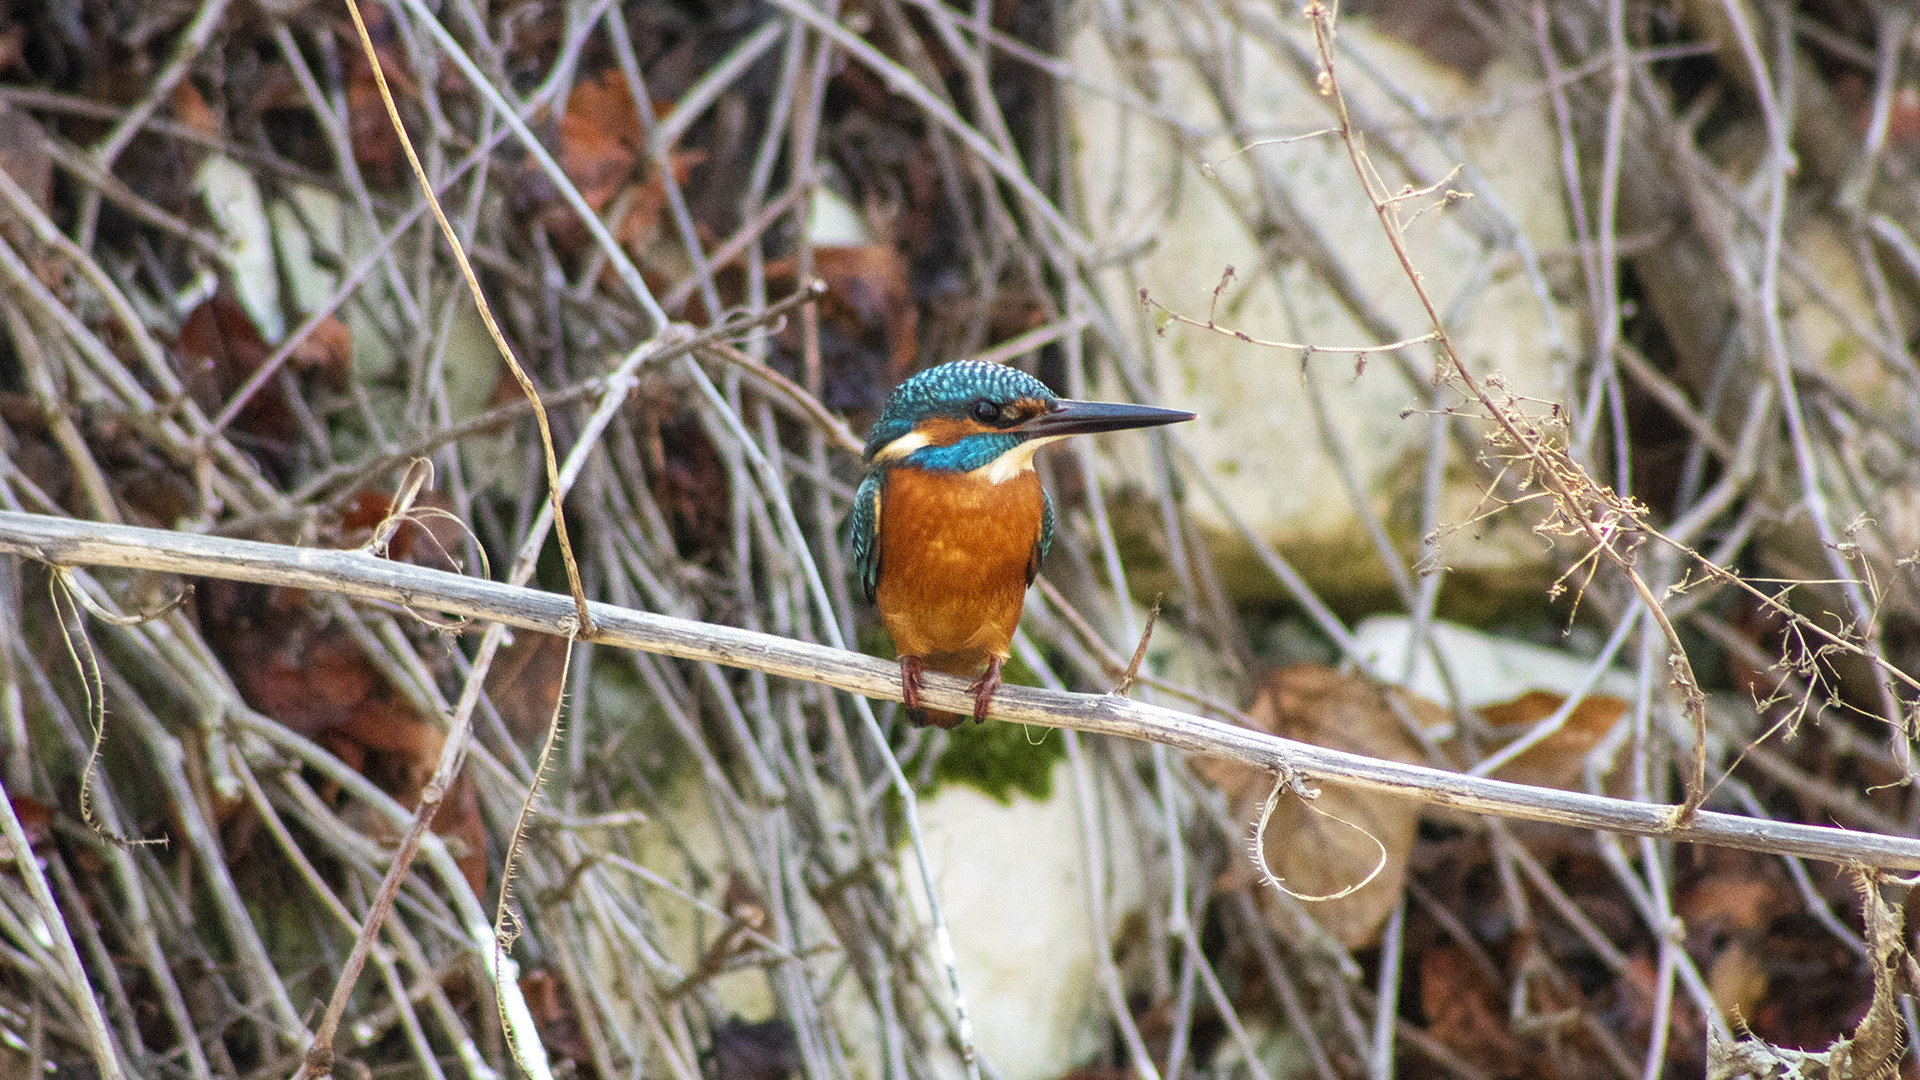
1730, 900
369, 129
36, 820
13, 54
602, 149
430, 535
1306, 847
219, 350
524, 682
685, 472
316, 679
867, 314
191, 109
328, 351
458, 819
1727, 911
1464, 1011
553, 1012
599, 137
1556, 760
649, 200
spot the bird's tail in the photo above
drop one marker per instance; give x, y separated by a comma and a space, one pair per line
945, 721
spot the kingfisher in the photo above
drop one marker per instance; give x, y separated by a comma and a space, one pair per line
951, 523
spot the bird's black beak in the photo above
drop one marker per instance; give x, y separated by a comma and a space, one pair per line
1085, 417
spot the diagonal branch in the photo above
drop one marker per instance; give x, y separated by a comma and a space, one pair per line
67, 542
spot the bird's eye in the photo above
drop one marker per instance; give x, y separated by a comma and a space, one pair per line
986, 411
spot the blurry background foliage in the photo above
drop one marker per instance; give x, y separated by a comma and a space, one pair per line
1687, 249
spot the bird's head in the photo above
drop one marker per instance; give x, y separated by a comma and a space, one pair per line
970, 415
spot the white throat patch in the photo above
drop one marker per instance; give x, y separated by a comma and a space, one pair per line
1012, 463
902, 446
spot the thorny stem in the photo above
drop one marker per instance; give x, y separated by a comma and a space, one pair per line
1555, 468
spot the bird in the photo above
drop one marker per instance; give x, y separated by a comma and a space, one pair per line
950, 524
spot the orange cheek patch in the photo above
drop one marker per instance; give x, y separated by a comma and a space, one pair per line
947, 430
1028, 408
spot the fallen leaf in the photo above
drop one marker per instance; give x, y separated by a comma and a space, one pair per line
430, 536
13, 53
191, 109
524, 682
868, 320
377, 723
36, 820
600, 137
649, 201
1727, 907
308, 683
1328, 845
602, 149
314, 678
1742, 896
370, 132
458, 819
685, 472
219, 350
552, 1009
1464, 1012
1557, 760
327, 350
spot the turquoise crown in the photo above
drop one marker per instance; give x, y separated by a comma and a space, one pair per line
950, 390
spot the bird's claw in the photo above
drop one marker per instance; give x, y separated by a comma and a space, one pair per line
983, 688
910, 669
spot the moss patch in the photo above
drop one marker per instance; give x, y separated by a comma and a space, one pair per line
999, 759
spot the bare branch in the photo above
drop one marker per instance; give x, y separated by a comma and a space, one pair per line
66, 542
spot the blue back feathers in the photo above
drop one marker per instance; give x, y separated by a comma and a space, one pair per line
951, 390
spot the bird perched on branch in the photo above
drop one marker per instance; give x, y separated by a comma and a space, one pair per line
951, 523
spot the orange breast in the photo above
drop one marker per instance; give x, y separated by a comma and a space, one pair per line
953, 564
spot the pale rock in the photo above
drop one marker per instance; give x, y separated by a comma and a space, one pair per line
1012, 882
835, 222
308, 223
239, 213
1175, 231
1485, 669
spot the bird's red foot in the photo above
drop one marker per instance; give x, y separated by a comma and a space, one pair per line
910, 669
983, 688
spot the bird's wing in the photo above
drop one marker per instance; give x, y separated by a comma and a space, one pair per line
865, 526
1044, 541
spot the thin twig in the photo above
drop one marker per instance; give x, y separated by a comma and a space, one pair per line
584, 626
